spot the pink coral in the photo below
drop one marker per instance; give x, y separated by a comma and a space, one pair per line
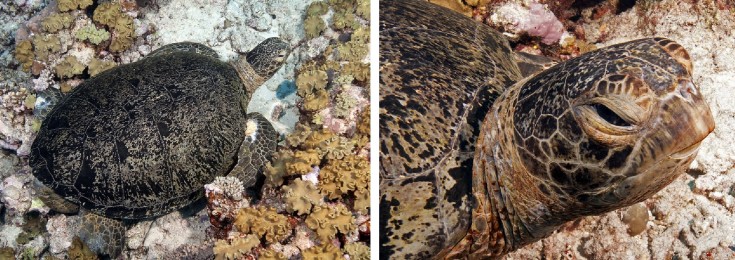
534, 19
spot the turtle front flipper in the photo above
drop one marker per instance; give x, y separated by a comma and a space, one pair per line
53, 200
256, 149
104, 236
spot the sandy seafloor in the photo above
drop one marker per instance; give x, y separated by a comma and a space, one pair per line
694, 217
228, 27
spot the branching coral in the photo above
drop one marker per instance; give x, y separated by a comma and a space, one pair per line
300, 196
91, 33
323, 252
24, 54
55, 22
341, 176
96, 66
231, 186
263, 221
68, 67
67, 5
238, 248
328, 220
358, 251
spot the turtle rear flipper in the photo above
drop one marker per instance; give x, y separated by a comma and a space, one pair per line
104, 236
531, 64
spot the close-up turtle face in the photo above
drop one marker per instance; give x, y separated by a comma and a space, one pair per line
630, 125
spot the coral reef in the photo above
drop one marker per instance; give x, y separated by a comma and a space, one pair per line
55, 22
236, 249
91, 33
328, 220
111, 14
264, 221
357, 251
300, 196
534, 20
323, 252
68, 67
96, 66
67, 5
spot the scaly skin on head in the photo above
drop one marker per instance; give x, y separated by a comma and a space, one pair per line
258, 65
596, 133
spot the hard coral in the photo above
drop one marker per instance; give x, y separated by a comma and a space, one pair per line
91, 33
263, 221
328, 220
323, 252
235, 250
55, 22
231, 186
300, 196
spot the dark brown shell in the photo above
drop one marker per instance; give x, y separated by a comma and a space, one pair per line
439, 74
141, 139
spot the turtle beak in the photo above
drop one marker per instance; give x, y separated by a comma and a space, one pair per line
690, 119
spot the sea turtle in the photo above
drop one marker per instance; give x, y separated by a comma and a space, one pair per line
476, 162
140, 140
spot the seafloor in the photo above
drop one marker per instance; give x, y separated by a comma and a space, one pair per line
314, 201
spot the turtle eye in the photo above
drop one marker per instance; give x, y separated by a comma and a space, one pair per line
608, 115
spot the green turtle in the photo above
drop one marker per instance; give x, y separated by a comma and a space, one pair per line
476, 162
140, 140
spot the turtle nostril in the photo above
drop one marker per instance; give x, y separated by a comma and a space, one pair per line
608, 115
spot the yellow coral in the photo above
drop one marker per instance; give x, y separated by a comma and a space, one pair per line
323, 252
363, 9
110, 14
96, 66
303, 161
341, 176
55, 22
270, 254
275, 170
352, 51
316, 101
326, 221
358, 251
360, 71
44, 45
238, 248
313, 26
263, 221
300, 196
24, 54
311, 81
341, 21
67, 5
362, 199
68, 67
107, 13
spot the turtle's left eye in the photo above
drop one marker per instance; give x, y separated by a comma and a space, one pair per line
608, 115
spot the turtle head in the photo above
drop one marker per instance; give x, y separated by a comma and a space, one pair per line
644, 118
268, 56
598, 132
